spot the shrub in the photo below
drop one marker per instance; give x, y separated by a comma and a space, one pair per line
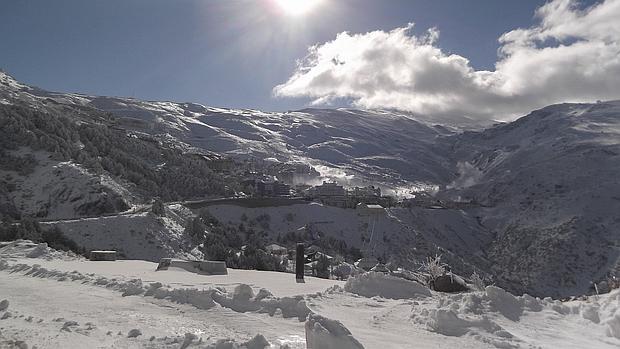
477, 281
322, 267
434, 267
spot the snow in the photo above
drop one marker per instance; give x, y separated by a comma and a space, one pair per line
548, 225
550, 186
378, 284
343, 141
141, 277
64, 301
57, 190
547, 181
134, 234
323, 333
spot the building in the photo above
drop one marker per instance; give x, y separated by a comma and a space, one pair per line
332, 194
421, 199
294, 173
267, 188
369, 209
367, 263
365, 193
276, 249
273, 189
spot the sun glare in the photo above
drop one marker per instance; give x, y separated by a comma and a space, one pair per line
297, 7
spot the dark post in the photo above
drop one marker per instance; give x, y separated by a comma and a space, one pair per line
299, 265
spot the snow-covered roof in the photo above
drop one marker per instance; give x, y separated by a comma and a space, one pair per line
274, 247
369, 206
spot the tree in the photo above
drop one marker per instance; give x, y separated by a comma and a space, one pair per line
322, 267
158, 207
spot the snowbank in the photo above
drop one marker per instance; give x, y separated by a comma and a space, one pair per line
605, 310
378, 284
488, 315
476, 314
507, 304
448, 322
323, 333
29, 249
241, 299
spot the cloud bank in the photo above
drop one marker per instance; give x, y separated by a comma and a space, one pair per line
571, 55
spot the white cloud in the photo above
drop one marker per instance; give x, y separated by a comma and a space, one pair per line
571, 55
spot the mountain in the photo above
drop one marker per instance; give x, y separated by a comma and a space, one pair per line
380, 147
551, 184
539, 198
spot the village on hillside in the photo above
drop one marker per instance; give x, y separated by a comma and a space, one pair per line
270, 178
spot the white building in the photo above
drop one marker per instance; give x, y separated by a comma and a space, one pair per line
276, 249
369, 209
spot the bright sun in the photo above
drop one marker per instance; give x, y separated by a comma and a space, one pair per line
297, 7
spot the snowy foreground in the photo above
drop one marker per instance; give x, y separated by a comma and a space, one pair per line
50, 299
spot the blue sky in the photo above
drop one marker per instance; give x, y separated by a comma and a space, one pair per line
228, 53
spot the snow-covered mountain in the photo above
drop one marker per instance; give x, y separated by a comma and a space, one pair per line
551, 181
390, 148
546, 187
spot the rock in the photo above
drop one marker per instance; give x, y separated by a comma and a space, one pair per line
449, 283
134, 333
188, 339
258, 342
4, 305
602, 287
242, 293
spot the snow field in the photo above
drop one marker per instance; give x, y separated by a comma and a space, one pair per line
240, 299
370, 310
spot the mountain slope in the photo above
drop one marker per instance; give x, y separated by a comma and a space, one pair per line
551, 181
545, 188
390, 148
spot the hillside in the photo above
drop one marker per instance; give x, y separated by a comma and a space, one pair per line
388, 148
545, 189
550, 181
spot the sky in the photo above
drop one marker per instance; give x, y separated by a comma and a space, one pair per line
466, 60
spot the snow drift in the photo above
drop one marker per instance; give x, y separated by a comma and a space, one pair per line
373, 284
323, 333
